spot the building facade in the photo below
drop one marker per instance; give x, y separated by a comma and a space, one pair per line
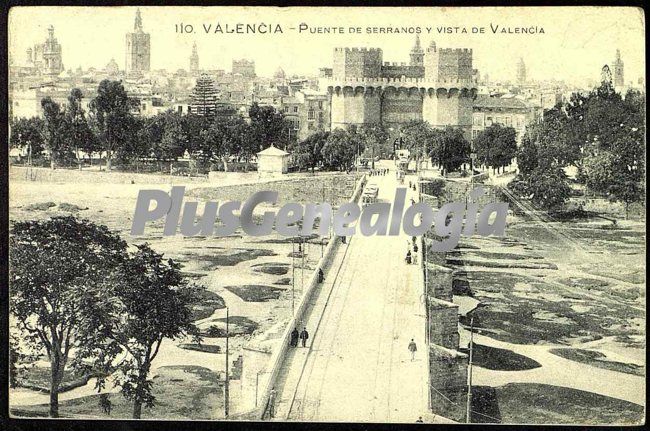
243, 67
307, 111
138, 49
436, 87
508, 112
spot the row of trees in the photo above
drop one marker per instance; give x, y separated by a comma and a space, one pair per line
80, 296
112, 129
601, 134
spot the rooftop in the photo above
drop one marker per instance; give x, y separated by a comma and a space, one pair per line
485, 101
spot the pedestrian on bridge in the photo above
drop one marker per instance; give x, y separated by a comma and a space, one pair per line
408, 257
413, 348
272, 395
304, 335
294, 338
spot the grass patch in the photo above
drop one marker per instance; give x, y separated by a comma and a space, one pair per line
206, 304
494, 358
209, 262
272, 268
181, 392
70, 207
513, 307
38, 378
237, 325
533, 403
42, 206
285, 281
205, 348
598, 359
256, 292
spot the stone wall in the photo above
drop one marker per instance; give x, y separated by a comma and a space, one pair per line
443, 323
448, 379
20, 173
439, 280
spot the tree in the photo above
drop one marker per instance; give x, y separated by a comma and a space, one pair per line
152, 302
57, 267
340, 149
308, 152
166, 136
194, 127
223, 140
112, 116
418, 138
268, 127
78, 134
496, 146
449, 148
547, 189
375, 139
527, 156
54, 133
27, 134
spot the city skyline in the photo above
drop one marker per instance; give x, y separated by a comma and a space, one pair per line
217, 51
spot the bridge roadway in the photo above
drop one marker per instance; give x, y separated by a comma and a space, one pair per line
357, 366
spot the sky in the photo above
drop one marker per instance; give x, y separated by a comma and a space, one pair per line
576, 43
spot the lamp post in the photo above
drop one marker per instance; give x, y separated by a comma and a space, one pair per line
226, 388
469, 374
293, 275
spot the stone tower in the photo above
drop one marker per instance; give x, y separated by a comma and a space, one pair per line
417, 53
194, 60
619, 76
47, 56
138, 49
439, 90
449, 96
521, 71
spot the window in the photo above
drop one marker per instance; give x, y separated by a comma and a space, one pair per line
474, 134
488, 121
295, 109
310, 114
508, 121
320, 104
478, 120
296, 125
286, 109
520, 123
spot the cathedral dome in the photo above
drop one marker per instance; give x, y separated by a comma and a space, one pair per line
279, 74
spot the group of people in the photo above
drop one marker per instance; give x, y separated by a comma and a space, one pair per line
302, 336
412, 186
378, 172
411, 257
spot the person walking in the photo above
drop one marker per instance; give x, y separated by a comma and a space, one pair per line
294, 338
321, 276
413, 348
408, 257
272, 395
304, 335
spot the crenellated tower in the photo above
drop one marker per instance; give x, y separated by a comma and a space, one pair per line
438, 89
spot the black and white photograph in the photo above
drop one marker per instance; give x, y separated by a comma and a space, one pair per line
386, 215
